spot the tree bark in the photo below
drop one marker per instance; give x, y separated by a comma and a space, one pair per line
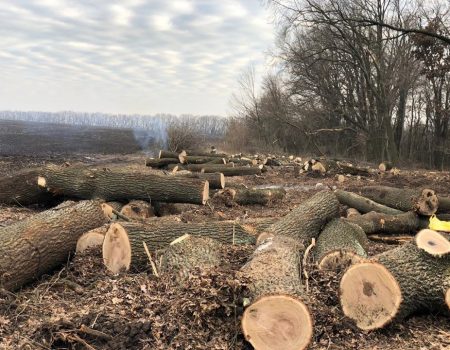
161, 162
424, 201
215, 180
247, 196
201, 160
277, 317
339, 245
113, 184
373, 222
232, 171
394, 285
363, 204
43, 242
123, 245
189, 253
168, 154
21, 188
444, 205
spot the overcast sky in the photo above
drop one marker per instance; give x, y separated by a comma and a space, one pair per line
128, 56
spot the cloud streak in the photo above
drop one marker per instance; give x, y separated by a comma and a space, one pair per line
128, 56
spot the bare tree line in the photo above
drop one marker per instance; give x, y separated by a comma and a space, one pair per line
358, 78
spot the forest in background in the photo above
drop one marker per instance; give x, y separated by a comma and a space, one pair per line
366, 79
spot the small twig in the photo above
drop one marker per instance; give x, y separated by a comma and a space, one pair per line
120, 216
81, 341
87, 330
155, 271
305, 257
234, 231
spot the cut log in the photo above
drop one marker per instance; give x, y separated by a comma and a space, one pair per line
215, 180
385, 166
261, 224
424, 201
43, 242
199, 167
389, 239
272, 162
434, 243
161, 162
165, 209
307, 220
188, 253
247, 196
354, 170
21, 188
243, 161
352, 212
362, 204
394, 285
339, 245
444, 204
123, 244
113, 184
91, 239
373, 222
138, 210
277, 318
201, 160
168, 154
205, 154
232, 171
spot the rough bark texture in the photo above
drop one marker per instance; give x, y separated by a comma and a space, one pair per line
362, 204
374, 222
158, 235
206, 154
247, 196
232, 171
243, 161
277, 296
307, 220
339, 244
113, 184
201, 160
215, 180
168, 154
425, 201
421, 279
199, 167
21, 188
161, 162
188, 253
43, 242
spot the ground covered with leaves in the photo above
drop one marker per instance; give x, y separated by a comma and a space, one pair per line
82, 306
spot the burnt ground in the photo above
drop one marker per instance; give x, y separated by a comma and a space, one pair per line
140, 311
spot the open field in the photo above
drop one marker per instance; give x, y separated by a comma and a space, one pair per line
140, 311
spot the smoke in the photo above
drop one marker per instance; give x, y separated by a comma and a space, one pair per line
150, 140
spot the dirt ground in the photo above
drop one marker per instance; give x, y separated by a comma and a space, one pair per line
140, 311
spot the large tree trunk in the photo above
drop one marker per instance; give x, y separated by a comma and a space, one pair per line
44, 242
339, 245
444, 204
215, 180
91, 239
307, 220
232, 171
161, 162
168, 154
246, 196
114, 184
424, 201
21, 188
373, 222
123, 246
189, 253
394, 285
198, 167
362, 204
277, 317
201, 160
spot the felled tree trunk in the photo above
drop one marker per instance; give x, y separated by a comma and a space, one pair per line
277, 317
206, 154
43, 242
113, 184
339, 245
232, 171
362, 204
246, 196
91, 239
161, 162
444, 205
393, 224
188, 253
243, 161
123, 246
385, 166
307, 220
138, 210
168, 154
21, 188
215, 180
201, 160
199, 167
424, 201
394, 285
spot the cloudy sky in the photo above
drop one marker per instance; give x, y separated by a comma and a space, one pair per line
128, 56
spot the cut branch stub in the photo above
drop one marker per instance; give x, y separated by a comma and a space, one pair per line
394, 285
432, 242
